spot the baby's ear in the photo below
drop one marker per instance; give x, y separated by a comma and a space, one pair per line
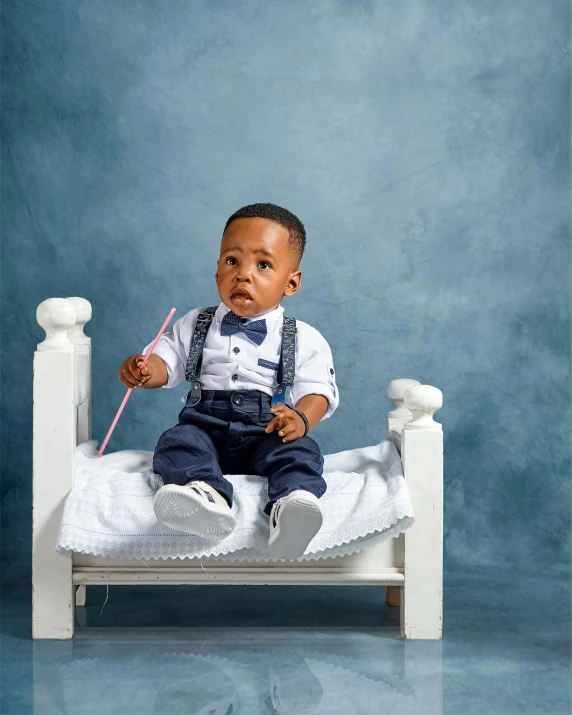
294, 283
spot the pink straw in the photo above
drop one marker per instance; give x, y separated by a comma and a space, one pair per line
130, 390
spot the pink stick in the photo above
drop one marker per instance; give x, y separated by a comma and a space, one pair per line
130, 390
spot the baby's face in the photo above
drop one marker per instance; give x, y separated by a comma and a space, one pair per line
256, 267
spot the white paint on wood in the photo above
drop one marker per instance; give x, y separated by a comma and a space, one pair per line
400, 415
56, 316
54, 446
422, 457
82, 368
396, 391
57, 400
80, 595
423, 401
82, 316
239, 575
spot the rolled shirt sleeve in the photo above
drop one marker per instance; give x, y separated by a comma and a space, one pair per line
173, 347
314, 369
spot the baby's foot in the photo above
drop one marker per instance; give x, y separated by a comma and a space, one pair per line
294, 521
196, 508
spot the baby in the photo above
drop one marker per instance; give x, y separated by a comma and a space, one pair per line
259, 381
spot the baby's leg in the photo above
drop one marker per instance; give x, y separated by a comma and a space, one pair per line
295, 484
288, 466
185, 453
196, 498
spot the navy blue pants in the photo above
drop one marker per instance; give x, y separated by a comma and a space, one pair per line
224, 434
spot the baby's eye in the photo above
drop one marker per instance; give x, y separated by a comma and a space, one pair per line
264, 265
231, 260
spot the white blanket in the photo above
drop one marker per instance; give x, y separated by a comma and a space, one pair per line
109, 510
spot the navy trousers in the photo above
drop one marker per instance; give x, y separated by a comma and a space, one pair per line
224, 434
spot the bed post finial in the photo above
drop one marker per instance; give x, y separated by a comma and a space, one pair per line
56, 316
423, 401
82, 316
396, 391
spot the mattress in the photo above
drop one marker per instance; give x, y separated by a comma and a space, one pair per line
109, 510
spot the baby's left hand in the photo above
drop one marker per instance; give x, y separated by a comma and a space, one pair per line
288, 423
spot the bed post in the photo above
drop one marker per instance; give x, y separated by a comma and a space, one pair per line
422, 458
57, 393
400, 415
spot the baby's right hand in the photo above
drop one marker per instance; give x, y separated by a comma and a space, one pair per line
130, 373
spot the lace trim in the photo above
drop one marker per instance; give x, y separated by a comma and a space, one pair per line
154, 546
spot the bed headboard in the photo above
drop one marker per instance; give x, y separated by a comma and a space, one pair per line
62, 419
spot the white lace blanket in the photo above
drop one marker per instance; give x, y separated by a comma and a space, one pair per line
109, 510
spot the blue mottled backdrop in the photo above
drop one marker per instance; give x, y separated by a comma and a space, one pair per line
425, 145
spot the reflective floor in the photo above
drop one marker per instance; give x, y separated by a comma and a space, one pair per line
310, 651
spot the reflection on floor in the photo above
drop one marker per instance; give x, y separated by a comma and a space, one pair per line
238, 671
309, 651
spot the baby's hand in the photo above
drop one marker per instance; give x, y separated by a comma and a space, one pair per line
130, 372
288, 423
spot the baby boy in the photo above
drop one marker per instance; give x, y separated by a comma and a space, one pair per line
259, 381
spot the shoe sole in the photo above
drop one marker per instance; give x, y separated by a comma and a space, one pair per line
189, 513
299, 521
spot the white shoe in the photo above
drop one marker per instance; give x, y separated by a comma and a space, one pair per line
196, 508
294, 521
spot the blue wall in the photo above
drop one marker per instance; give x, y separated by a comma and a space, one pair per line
424, 144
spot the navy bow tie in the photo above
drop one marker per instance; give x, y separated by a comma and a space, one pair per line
255, 330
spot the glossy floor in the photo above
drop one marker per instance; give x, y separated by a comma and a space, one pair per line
309, 651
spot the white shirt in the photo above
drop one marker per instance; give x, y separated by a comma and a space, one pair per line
228, 356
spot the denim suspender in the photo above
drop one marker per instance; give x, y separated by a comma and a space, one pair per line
286, 367
287, 363
193, 369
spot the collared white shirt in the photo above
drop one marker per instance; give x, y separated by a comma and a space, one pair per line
234, 362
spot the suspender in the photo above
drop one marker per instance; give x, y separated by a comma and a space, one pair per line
287, 363
193, 370
286, 367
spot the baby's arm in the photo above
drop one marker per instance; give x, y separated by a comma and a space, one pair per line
166, 366
154, 374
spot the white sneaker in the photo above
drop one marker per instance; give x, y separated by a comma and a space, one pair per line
294, 521
196, 508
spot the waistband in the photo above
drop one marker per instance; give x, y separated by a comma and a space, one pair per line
236, 397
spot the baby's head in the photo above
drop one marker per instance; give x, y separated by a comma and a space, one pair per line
261, 248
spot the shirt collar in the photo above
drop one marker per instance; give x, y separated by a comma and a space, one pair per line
271, 316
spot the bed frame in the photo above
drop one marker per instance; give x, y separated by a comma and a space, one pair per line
410, 566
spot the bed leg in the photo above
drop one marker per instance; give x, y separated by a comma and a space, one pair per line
80, 595
55, 440
393, 595
422, 457
53, 608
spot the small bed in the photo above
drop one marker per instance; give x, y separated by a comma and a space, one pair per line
409, 565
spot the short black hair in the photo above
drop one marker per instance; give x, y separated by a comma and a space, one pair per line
295, 227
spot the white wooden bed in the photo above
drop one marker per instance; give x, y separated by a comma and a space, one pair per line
410, 565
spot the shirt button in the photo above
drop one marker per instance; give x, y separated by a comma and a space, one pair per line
234, 377
244, 320
236, 350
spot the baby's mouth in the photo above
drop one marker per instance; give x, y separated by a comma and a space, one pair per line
240, 296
